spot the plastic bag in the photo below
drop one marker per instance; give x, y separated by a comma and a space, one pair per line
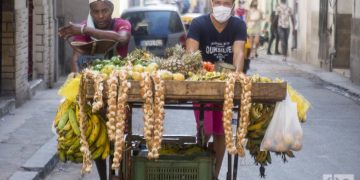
284, 132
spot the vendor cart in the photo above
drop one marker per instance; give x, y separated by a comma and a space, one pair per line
180, 95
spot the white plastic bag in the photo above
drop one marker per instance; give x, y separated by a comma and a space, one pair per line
284, 132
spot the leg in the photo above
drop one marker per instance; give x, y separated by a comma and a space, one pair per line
277, 43
270, 43
101, 168
256, 41
251, 40
286, 44
219, 148
282, 39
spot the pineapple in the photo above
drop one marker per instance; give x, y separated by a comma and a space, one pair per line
177, 51
188, 62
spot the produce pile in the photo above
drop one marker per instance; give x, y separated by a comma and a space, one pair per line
86, 127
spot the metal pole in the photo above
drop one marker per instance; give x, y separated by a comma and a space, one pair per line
1, 47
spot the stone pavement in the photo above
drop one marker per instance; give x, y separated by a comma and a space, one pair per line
25, 134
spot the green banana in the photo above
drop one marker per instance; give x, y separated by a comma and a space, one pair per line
97, 153
62, 156
88, 129
69, 134
73, 122
63, 120
73, 147
259, 126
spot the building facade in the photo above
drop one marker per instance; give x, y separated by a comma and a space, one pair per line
28, 47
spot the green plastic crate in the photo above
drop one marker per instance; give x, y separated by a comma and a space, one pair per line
173, 167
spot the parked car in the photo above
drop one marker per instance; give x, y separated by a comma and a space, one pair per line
155, 28
188, 17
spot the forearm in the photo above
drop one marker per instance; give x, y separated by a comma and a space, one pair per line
121, 37
239, 61
74, 59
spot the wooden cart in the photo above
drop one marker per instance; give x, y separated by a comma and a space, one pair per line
178, 93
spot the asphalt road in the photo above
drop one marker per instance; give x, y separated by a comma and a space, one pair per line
331, 134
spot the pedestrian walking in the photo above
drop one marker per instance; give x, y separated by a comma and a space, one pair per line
285, 15
241, 11
254, 20
274, 35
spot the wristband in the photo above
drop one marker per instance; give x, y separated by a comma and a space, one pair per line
82, 28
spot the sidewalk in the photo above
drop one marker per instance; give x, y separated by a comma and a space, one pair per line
337, 81
23, 134
28, 147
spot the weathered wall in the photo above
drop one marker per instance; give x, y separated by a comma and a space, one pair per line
355, 44
308, 38
21, 55
8, 49
44, 38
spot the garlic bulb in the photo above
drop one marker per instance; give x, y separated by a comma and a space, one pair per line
159, 114
112, 83
98, 96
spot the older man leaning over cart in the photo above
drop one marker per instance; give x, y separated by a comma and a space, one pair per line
99, 25
221, 38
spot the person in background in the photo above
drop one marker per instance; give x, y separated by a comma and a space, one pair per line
273, 33
241, 11
99, 25
254, 20
285, 15
220, 37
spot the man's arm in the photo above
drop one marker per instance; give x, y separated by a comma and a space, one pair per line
122, 36
192, 45
74, 59
238, 57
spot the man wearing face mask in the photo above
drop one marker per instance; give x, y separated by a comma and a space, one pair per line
220, 37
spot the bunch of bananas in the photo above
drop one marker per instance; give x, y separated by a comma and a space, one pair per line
66, 123
260, 117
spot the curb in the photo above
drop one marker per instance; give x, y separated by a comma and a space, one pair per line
40, 164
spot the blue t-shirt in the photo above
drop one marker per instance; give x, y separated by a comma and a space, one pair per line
215, 46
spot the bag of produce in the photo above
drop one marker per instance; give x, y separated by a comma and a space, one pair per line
284, 132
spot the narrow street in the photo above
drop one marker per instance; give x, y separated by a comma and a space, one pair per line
331, 141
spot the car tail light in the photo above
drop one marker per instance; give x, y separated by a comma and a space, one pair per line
182, 40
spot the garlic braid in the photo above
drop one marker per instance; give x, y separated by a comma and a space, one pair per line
159, 114
246, 86
112, 101
87, 162
147, 94
120, 119
227, 113
98, 96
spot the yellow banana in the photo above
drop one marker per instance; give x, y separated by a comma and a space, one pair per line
69, 142
96, 129
73, 122
106, 151
97, 153
258, 126
67, 126
102, 136
88, 129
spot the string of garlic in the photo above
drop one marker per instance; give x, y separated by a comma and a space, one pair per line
246, 86
120, 119
147, 94
227, 113
98, 96
159, 115
112, 104
87, 162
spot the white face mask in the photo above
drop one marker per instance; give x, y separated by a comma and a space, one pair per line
221, 13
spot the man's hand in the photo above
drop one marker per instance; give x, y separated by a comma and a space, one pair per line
70, 30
